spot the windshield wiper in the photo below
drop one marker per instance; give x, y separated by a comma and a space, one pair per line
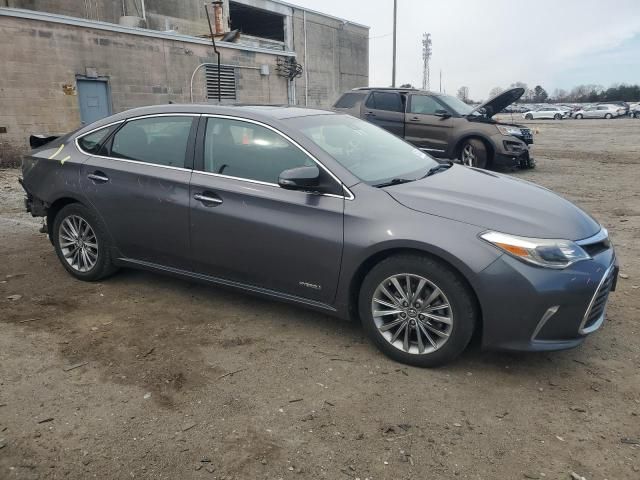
439, 168
394, 181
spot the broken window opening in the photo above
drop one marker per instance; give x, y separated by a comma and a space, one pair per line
256, 22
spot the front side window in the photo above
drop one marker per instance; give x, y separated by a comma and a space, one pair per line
155, 140
250, 151
348, 100
389, 101
424, 105
92, 142
368, 152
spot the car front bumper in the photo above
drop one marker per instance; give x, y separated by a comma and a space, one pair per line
521, 159
529, 308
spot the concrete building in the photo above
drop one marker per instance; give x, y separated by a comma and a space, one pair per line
69, 62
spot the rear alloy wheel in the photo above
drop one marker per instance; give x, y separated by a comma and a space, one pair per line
528, 116
417, 310
81, 243
608, 116
473, 153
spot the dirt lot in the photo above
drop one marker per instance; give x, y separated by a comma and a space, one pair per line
156, 396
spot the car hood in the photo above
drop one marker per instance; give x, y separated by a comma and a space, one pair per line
500, 101
496, 202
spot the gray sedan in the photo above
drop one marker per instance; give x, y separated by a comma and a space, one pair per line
328, 211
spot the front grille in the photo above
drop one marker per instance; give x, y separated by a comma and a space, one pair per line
599, 302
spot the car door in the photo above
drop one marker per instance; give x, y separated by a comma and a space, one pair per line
246, 229
385, 109
591, 112
139, 184
428, 124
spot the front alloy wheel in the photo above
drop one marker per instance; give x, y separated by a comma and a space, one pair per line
417, 310
412, 314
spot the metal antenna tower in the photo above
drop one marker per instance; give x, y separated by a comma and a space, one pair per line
426, 56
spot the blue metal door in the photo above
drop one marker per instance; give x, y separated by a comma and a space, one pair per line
94, 100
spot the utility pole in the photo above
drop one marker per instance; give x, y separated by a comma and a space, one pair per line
426, 56
395, 17
440, 80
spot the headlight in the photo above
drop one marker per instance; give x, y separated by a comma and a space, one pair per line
543, 252
509, 130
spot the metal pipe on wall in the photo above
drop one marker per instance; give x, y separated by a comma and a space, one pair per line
306, 63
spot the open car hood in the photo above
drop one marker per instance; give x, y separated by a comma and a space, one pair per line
500, 102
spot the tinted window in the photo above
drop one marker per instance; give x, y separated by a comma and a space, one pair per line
91, 143
425, 105
348, 100
385, 101
157, 140
246, 150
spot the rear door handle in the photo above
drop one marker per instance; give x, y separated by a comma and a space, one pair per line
208, 199
98, 177
414, 119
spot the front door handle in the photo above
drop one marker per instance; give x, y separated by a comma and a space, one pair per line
414, 119
98, 177
370, 114
208, 199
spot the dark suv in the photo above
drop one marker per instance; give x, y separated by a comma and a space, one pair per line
444, 126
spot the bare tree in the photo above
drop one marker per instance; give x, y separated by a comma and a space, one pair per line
463, 94
495, 91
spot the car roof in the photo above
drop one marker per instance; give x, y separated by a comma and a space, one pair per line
392, 89
264, 113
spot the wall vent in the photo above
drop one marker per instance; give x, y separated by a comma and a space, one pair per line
227, 82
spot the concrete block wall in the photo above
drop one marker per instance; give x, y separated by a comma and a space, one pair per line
45, 56
338, 58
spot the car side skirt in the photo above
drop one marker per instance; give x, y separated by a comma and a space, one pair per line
260, 291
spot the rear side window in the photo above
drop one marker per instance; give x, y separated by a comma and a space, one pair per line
424, 104
348, 100
155, 140
389, 101
92, 142
246, 150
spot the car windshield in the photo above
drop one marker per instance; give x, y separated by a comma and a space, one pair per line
455, 104
370, 153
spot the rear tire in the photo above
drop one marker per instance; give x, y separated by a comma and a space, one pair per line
473, 153
82, 243
443, 295
528, 116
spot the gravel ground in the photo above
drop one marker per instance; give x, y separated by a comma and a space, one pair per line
153, 377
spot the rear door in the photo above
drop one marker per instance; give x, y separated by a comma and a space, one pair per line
245, 228
426, 127
385, 109
139, 184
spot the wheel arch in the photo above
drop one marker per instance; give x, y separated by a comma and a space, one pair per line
55, 208
367, 264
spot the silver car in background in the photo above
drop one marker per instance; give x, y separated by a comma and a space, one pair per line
555, 113
599, 111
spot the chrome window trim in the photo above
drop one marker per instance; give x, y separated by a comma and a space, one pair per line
348, 194
127, 120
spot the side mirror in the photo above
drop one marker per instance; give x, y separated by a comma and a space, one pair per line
442, 113
300, 178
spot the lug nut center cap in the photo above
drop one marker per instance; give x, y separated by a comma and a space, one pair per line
412, 312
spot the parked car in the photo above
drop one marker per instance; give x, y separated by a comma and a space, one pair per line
330, 212
444, 126
555, 113
634, 110
598, 111
623, 107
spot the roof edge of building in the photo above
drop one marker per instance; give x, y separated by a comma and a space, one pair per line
142, 32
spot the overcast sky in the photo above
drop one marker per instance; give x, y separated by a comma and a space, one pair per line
487, 43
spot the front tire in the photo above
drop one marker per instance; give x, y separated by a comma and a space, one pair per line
608, 116
579, 116
417, 310
82, 243
528, 116
557, 116
473, 153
